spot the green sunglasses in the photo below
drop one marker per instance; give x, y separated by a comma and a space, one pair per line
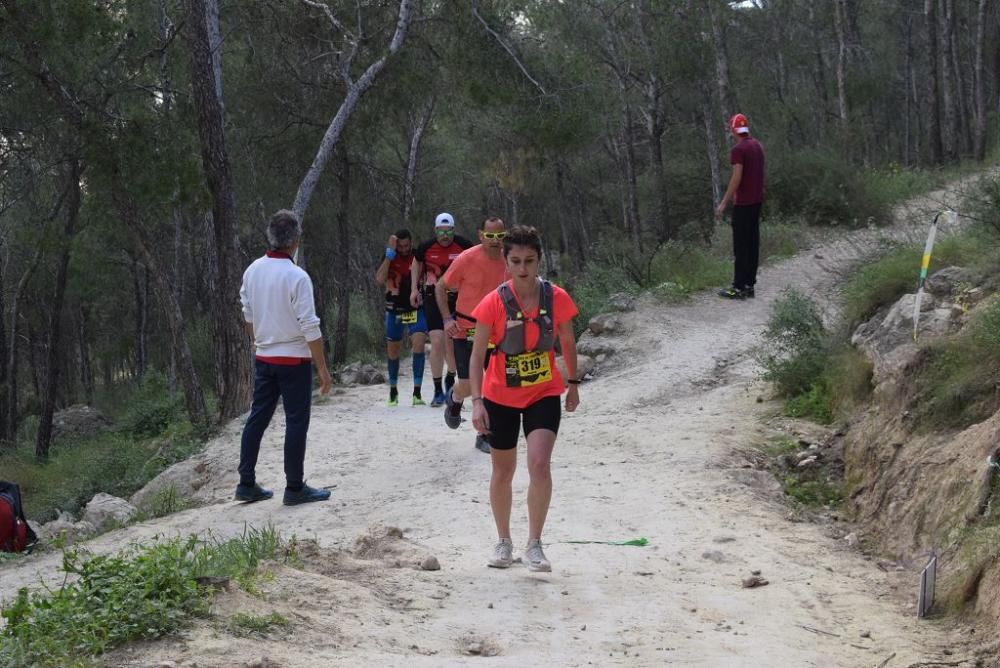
445, 233
494, 235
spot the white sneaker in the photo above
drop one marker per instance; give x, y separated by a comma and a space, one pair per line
503, 554
535, 558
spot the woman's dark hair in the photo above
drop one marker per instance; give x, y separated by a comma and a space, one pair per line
522, 235
403, 234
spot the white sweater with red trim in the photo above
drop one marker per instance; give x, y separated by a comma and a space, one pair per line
277, 298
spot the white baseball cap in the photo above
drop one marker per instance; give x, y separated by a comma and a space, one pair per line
444, 220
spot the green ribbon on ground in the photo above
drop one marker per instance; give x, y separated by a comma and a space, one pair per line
635, 542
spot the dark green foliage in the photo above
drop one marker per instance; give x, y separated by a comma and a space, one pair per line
824, 187
794, 353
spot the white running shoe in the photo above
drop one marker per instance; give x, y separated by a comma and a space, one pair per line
503, 554
535, 558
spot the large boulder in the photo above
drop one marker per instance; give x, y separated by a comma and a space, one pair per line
949, 281
360, 373
77, 423
107, 512
622, 301
180, 482
593, 346
66, 529
605, 323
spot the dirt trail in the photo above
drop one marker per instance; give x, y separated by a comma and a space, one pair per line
649, 453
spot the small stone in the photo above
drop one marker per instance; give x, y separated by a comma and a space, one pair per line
852, 540
866, 634
807, 462
430, 564
583, 628
754, 581
490, 606
724, 539
756, 572
714, 555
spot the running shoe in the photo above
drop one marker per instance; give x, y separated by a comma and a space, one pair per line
452, 411
732, 293
438, 400
251, 493
748, 292
483, 443
535, 558
503, 554
417, 401
305, 495
393, 402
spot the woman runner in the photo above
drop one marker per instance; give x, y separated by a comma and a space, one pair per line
522, 318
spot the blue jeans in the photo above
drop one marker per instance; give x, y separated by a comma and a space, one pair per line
293, 384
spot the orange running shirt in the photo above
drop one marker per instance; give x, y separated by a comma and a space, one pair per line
492, 313
473, 275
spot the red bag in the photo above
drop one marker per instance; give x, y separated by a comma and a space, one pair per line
15, 534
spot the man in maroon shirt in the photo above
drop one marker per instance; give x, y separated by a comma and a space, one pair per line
746, 190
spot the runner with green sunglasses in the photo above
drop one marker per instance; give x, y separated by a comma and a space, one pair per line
474, 274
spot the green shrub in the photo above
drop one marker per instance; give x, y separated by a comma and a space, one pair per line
824, 187
795, 343
246, 625
955, 383
142, 592
152, 407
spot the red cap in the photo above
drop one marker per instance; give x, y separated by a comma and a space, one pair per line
739, 124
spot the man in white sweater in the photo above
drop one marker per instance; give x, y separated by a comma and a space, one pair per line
281, 319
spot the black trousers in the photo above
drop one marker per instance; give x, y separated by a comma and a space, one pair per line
746, 245
293, 385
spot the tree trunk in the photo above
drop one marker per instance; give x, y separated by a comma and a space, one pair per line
11, 416
342, 256
412, 160
979, 84
932, 94
839, 22
51, 381
139, 286
714, 162
726, 95
232, 346
355, 90
961, 131
949, 125
4, 354
86, 366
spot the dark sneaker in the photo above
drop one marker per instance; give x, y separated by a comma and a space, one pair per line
251, 493
305, 495
731, 293
452, 411
483, 443
449, 382
748, 292
438, 400
417, 401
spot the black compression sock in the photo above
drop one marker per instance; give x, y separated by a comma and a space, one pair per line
449, 381
416, 391
437, 386
393, 392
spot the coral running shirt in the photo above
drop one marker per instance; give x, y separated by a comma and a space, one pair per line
474, 275
492, 313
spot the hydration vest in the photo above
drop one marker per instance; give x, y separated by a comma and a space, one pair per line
512, 342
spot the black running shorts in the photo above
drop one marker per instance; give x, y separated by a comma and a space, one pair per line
505, 422
463, 353
432, 314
